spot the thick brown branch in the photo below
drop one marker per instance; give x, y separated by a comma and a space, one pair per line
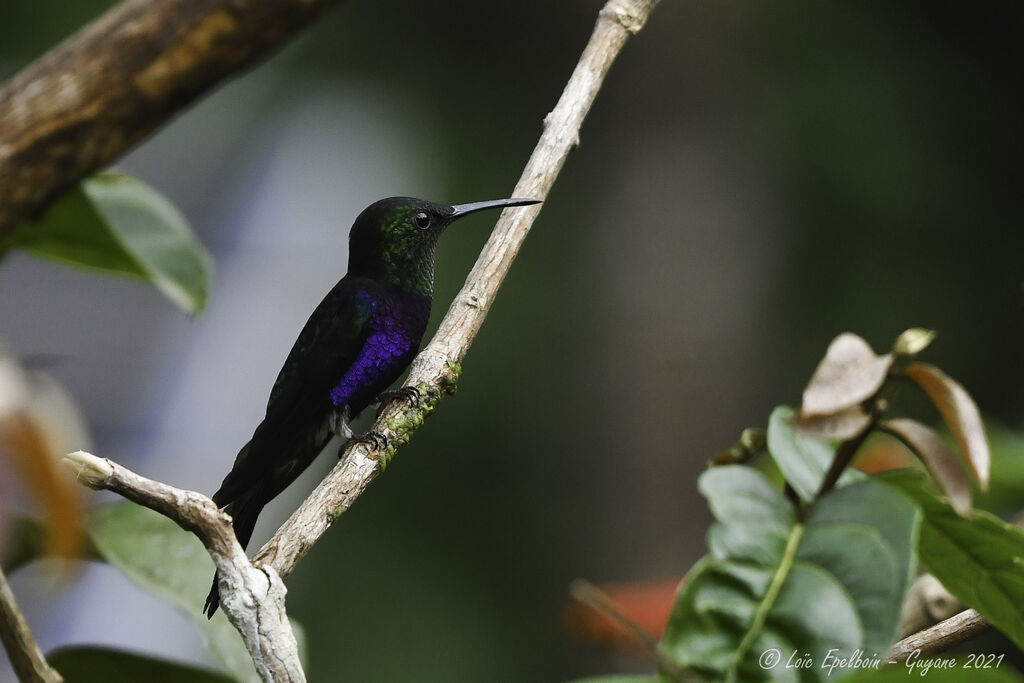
88, 100
26, 658
435, 371
252, 597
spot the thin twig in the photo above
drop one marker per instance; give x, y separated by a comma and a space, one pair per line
436, 370
27, 659
593, 597
590, 595
845, 452
252, 596
940, 637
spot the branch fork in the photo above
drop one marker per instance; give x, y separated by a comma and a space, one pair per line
253, 595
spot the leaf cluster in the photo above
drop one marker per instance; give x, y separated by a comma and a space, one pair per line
806, 583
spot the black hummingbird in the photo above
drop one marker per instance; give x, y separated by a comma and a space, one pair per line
359, 340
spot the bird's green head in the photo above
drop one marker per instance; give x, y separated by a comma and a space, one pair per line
393, 239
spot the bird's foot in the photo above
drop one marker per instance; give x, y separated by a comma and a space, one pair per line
376, 440
410, 394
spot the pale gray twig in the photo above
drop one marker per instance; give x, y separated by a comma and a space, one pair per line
251, 596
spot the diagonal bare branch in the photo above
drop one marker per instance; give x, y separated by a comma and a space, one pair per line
435, 372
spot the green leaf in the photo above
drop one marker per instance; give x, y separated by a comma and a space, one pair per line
617, 679
802, 459
169, 562
866, 519
102, 665
978, 558
832, 583
117, 223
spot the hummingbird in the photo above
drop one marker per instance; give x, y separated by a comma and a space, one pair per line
357, 342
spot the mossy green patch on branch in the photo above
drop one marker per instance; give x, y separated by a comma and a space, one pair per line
410, 420
449, 382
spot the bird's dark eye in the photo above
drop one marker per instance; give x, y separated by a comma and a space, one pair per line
421, 220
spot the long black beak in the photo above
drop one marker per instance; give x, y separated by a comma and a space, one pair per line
460, 210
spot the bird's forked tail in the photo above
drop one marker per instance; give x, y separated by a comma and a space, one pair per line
243, 514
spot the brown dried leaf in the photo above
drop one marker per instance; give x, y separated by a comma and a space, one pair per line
841, 426
38, 421
29, 451
940, 460
960, 414
849, 373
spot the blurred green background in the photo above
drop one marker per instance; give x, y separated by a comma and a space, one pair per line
754, 179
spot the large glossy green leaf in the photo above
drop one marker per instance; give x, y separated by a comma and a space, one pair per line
978, 558
802, 459
172, 564
117, 223
102, 665
773, 588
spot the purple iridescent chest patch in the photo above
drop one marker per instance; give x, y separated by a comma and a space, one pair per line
396, 325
